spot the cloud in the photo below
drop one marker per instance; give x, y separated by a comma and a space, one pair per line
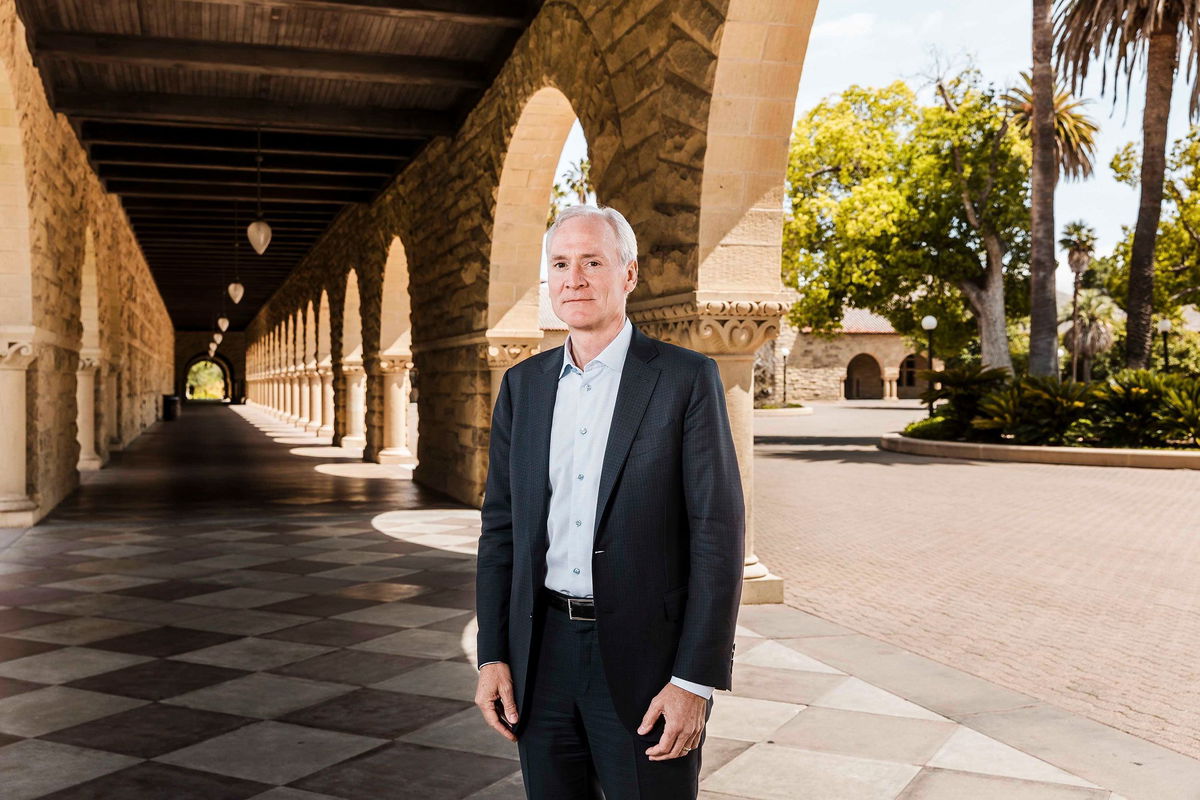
859, 24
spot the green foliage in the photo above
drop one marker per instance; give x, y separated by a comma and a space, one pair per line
962, 389
1037, 410
206, 381
1129, 410
938, 428
876, 184
1181, 409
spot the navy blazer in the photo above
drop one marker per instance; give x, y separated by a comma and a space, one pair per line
670, 525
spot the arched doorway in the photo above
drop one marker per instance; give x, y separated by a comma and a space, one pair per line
207, 379
864, 378
392, 426
355, 404
908, 385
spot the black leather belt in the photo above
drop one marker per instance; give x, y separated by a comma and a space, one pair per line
578, 608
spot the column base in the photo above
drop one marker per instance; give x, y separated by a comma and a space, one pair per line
311, 427
89, 464
762, 590
325, 430
17, 503
354, 441
395, 455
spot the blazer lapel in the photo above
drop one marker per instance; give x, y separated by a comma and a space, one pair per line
541, 405
638, 379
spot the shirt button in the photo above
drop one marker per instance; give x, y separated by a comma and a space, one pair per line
578, 522
579, 476
583, 430
588, 387
576, 570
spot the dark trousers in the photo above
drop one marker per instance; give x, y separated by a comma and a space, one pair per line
573, 746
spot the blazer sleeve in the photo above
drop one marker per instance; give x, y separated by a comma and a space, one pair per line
493, 577
717, 527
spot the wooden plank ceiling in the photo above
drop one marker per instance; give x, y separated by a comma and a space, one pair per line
171, 99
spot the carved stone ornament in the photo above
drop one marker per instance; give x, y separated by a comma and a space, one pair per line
502, 355
15, 355
395, 363
714, 327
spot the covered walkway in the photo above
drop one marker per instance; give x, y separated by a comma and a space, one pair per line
235, 609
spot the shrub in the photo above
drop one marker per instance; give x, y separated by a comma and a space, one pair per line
962, 388
1037, 410
931, 428
1181, 409
1129, 410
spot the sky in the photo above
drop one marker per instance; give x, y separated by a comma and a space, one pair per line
874, 42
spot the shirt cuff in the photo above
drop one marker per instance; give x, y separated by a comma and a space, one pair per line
694, 688
484, 664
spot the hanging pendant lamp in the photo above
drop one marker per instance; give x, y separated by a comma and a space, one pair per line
223, 323
236, 290
259, 232
217, 337
212, 348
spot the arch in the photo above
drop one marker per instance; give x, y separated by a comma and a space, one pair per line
324, 345
351, 322
759, 60
395, 324
309, 357
353, 400
864, 378
221, 361
908, 386
16, 265
522, 198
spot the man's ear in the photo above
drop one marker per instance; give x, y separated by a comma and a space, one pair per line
634, 265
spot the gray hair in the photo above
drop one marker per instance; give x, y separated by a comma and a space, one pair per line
622, 230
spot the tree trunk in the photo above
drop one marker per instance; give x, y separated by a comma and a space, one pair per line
1161, 62
1043, 307
987, 301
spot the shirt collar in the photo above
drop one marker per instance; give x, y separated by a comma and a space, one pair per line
612, 356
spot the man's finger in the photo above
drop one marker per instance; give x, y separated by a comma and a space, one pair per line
651, 716
493, 719
671, 742
509, 701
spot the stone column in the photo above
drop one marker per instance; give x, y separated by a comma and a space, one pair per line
729, 331
303, 408
16, 506
314, 400
293, 416
504, 350
356, 405
395, 369
326, 376
85, 414
110, 406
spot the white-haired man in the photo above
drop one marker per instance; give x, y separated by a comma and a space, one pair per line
610, 560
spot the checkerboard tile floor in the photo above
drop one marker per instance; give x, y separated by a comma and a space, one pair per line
162, 641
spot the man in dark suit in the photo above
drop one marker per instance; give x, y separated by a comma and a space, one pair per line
610, 560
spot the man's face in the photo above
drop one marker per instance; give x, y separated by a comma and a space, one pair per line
587, 280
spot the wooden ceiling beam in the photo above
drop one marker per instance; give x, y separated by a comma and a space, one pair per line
241, 194
250, 112
128, 155
463, 12
270, 178
249, 59
169, 136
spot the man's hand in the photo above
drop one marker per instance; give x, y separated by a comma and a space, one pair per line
684, 712
495, 683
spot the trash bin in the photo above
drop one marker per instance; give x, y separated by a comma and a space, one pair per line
171, 406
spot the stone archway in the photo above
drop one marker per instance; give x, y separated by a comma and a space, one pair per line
353, 433
864, 378
221, 363
391, 418
908, 385
325, 364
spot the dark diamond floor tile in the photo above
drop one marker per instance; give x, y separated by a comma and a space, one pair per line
168, 590
19, 648
162, 642
13, 619
29, 595
157, 680
352, 666
451, 598
284, 538
383, 591
276, 527
154, 781
398, 547
307, 584
332, 632
323, 605
149, 731
11, 686
428, 773
295, 566
8, 739
372, 712
441, 580
41, 576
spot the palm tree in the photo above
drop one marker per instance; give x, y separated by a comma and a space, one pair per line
1123, 33
1096, 318
1063, 141
1079, 240
574, 187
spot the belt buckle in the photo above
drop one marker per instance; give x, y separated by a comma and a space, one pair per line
571, 610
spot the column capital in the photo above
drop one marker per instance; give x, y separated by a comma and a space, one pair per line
395, 362
503, 351
16, 355
712, 323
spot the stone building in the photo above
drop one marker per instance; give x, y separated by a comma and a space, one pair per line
403, 155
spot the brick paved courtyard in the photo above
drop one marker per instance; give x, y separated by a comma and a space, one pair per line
1076, 585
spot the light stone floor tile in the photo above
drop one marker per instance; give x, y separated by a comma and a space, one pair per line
161, 613
241, 597
463, 731
453, 680
288, 793
874, 736
510, 788
363, 572
774, 772
401, 614
772, 654
102, 583
742, 630
231, 561
33, 768
246, 621
271, 752
116, 551
971, 751
92, 604
261, 695
747, 718
348, 557
418, 642
937, 784
253, 654
44, 710
81, 630
857, 695
67, 664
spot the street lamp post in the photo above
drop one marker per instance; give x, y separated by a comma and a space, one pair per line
1164, 327
929, 322
786, 352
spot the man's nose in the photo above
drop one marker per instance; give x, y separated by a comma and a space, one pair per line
575, 276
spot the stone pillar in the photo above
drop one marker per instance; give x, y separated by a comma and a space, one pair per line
303, 409
85, 413
395, 369
314, 400
110, 406
16, 506
293, 384
326, 375
730, 332
504, 350
356, 405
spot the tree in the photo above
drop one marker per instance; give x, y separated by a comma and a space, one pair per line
1125, 32
1079, 240
909, 210
1074, 131
1043, 308
1093, 323
574, 187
